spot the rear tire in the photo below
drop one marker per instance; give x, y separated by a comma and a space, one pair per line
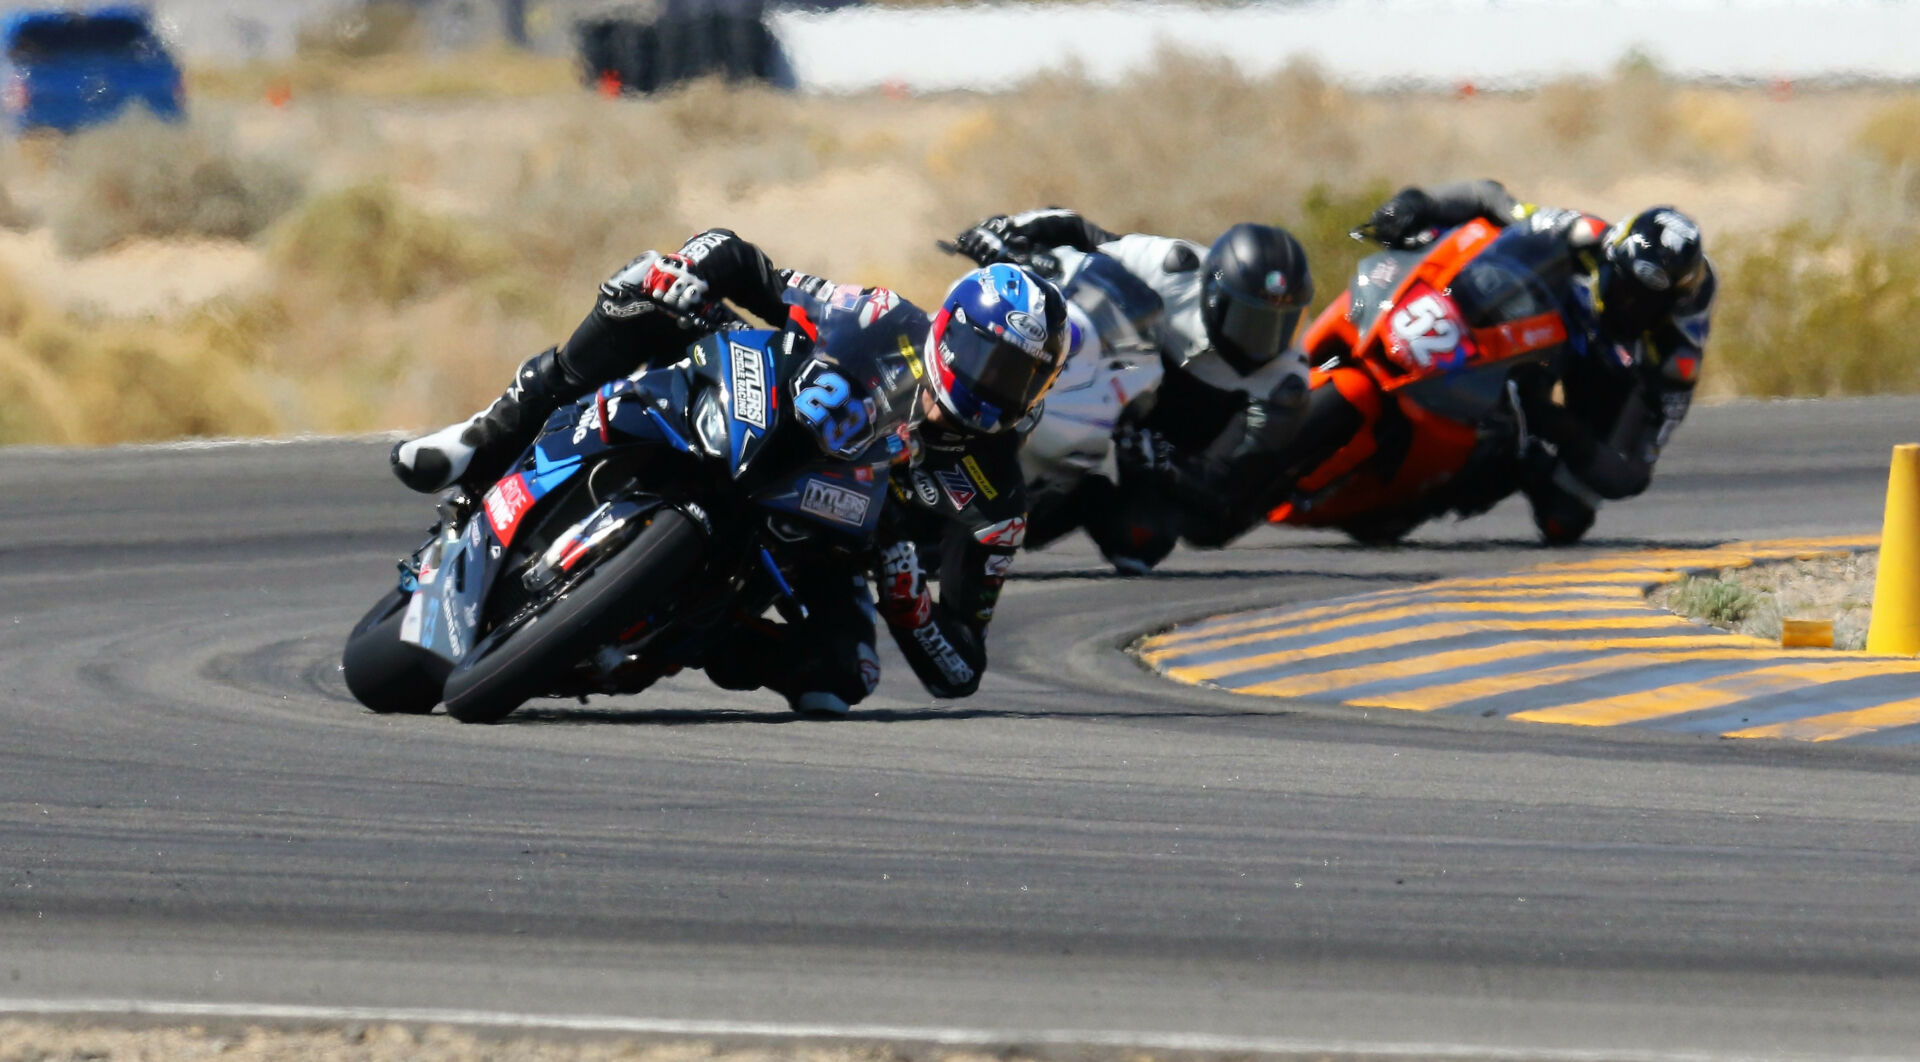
388, 675
631, 583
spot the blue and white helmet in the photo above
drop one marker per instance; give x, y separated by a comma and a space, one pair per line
997, 344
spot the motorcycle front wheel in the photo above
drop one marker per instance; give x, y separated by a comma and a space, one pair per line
632, 582
388, 675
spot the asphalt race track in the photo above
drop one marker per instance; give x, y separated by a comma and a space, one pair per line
192, 811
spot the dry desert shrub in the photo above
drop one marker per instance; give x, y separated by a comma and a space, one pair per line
591, 193
486, 74
1639, 103
1717, 125
143, 177
1809, 312
1890, 135
1186, 149
1570, 111
362, 31
69, 380
1876, 188
1638, 120
365, 244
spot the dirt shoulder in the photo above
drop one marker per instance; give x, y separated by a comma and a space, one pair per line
1754, 600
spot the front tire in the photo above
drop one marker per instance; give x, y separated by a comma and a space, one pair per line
632, 582
387, 675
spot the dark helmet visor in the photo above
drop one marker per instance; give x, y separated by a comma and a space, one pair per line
1257, 328
1003, 379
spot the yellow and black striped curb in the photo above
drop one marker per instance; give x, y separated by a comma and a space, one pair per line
1572, 642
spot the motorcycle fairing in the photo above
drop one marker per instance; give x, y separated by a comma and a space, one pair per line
743, 366
844, 498
1444, 327
458, 570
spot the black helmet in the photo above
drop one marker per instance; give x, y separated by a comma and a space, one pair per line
1648, 263
1254, 286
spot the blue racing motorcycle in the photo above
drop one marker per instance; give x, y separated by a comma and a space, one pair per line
642, 524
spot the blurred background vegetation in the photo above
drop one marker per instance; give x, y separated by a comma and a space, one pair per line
368, 235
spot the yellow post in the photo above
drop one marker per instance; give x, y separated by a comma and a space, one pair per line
1895, 627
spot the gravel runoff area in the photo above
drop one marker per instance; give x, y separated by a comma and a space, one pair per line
90, 1040
1753, 600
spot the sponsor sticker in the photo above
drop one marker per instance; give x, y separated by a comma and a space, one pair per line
506, 503
749, 386
620, 311
846, 296
912, 356
923, 486
998, 565
979, 478
1009, 533
698, 248
879, 302
959, 491
838, 504
589, 422
944, 655
1028, 329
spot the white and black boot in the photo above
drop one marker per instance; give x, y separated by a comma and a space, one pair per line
477, 450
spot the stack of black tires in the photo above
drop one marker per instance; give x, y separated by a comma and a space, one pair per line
680, 41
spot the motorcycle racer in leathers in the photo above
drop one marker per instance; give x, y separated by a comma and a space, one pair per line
987, 356
1643, 290
1231, 378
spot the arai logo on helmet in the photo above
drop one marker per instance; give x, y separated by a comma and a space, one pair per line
1026, 327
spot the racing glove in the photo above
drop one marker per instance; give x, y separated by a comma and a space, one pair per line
670, 282
1142, 452
1405, 220
990, 240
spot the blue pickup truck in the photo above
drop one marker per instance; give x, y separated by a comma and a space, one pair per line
66, 69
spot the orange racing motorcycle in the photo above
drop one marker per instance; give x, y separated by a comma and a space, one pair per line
1434, 347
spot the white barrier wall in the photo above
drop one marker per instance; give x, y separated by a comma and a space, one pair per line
1367, 42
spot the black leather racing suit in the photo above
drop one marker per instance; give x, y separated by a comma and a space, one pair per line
1627, 388
967, 492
